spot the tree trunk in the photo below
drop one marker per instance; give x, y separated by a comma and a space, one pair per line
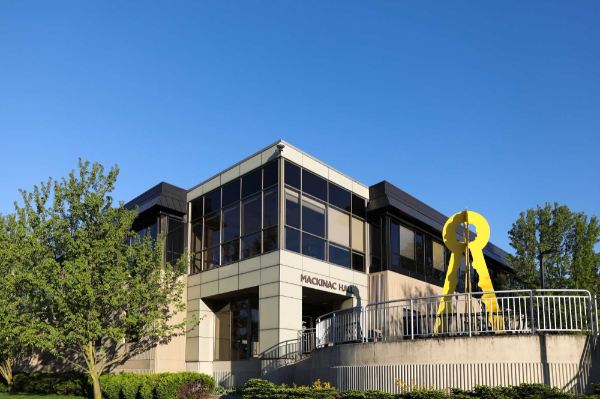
6, 370
96, 385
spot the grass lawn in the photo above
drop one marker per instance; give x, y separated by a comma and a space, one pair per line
30, 396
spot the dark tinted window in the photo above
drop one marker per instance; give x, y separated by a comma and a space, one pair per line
420, 254
313, 246
313, 218
231, 192
230, 252
231, 222
339, 256
251, 245
358, 262
339, 197
270, 174
251, 183
270, 239
292, 175
292, 239
251, 215
197, 208
314, 185
212, 201
395, 246
358, 206
212, 230
292, 208
270, 208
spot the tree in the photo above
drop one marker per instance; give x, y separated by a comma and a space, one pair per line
107, 294
20, 325
554, 247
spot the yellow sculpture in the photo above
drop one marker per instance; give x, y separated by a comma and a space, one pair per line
467, 249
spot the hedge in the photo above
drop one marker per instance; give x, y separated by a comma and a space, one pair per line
75, 384
150, 386
257, 388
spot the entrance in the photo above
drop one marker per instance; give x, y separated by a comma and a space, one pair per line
316, 303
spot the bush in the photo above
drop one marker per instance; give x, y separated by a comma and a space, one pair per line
193, 390
366, 395
50, 383
539, 391
257, 388
151, 386
423, 394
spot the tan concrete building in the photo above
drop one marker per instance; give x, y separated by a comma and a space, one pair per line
276, 241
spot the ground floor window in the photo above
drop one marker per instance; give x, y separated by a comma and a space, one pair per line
236, 329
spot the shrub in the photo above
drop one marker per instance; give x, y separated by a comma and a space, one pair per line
424, 394
193, 390
257, 388
50, 383
151, 386
539, 391
167, 384
366, 395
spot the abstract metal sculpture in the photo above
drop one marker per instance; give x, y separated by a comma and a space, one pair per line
467, 249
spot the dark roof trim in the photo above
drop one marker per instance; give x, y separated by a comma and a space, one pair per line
385, 194
163, 195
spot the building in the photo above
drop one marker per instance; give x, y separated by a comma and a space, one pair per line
276, 241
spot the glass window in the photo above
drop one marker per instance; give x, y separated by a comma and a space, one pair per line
211, 257
292, 208
174, 240
313, 246
196, 263
359, 207
339, 197
212, 230
231, 192
270, 174
358, 262
338, 227
212, 201
251, 215
314, 185
231, 252
197, 208
407, 243
313, 217
358, 235
231, 223
251, 183
339, 256
419, 253
292, 175
395, 245
438, 256
270, 213
197, 237
251, 245
270, 239
292, 239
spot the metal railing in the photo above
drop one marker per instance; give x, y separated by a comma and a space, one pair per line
292, 349
509, 312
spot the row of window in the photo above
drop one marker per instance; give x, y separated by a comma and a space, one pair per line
236, 221
323, 220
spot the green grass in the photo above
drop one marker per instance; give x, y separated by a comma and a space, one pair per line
31, 396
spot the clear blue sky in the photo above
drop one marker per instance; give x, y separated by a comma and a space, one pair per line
494, 106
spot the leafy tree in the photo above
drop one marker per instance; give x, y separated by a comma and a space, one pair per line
107, 294
20, 325
556, 244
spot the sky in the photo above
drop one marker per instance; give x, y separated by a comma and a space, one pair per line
491, 106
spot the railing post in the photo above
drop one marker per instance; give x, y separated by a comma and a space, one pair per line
531, 319
412, 324
469, 310
333, 328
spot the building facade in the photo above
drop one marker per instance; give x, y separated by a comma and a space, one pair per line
280, 239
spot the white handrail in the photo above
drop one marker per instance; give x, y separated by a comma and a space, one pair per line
514, 312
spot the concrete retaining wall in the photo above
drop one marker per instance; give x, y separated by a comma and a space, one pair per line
569, 362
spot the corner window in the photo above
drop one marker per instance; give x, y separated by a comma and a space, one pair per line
314, 185
292, 175
313, 217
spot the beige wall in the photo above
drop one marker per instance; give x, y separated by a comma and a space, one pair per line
389, 286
